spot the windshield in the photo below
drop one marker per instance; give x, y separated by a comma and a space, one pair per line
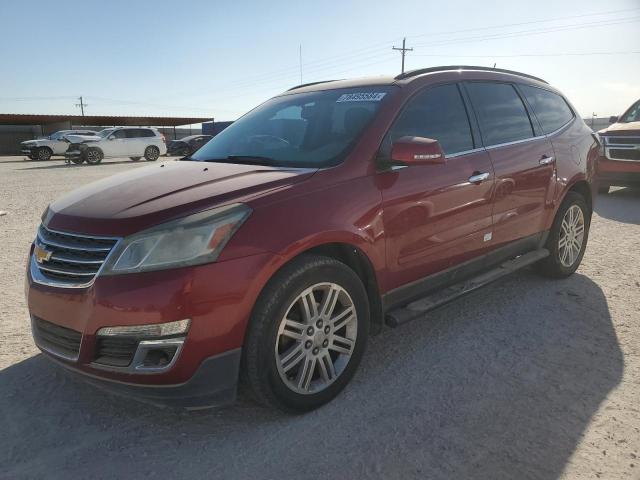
313, 129
57, 135
104, 133
633, 114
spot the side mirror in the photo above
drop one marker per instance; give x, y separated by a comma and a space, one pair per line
417, 151
613, 119
111, 138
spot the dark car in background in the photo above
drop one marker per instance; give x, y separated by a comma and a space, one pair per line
187, 145
619, 161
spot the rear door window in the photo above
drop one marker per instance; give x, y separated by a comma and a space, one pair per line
437, 113
502, 115
551, 109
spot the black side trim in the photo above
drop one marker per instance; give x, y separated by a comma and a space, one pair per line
412, 291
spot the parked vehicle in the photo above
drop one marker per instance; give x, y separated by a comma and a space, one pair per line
272, 253
134, 143
54, 144
619, 161
187, 145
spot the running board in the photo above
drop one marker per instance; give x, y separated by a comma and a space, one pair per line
419, 307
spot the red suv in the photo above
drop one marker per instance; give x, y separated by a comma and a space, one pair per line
619, 162
273, 252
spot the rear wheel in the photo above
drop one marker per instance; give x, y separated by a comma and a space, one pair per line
568, 238
307, 334
94, 156
135, 159
44, 153
151, 153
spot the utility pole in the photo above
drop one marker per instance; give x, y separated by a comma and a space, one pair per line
403, 51
300, 56
81, 105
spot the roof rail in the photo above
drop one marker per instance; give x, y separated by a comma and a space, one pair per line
414, 73
310, 84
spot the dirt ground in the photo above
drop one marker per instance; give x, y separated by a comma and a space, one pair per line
528, 379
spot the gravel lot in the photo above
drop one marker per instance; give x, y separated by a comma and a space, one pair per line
528, 378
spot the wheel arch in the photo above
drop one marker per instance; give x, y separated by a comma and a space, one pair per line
357, 260
583, 188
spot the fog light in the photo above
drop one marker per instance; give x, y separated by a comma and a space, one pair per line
179, 327
159, 357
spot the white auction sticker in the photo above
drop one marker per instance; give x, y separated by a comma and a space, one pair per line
361, 97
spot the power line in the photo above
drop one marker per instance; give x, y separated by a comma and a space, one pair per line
586, 54
403, 51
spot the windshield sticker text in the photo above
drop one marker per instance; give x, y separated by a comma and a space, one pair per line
361, 97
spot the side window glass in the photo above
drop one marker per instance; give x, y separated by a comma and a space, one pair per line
501, 113
437, 113
133, 133
119, 134
551, 109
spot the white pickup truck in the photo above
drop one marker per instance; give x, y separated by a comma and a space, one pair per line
54, 144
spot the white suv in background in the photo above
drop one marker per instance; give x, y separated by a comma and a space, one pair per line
54, 144
132, 142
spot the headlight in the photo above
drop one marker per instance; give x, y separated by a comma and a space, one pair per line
192, 240
155, 330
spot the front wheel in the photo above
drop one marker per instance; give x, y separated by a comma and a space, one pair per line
44, 153
568, 237
307, 334
151, 153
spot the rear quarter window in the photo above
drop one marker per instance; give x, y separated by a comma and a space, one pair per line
550, 108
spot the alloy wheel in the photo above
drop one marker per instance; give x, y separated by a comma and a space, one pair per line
316, 338
571, 236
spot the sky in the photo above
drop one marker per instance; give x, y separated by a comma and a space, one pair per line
218, 59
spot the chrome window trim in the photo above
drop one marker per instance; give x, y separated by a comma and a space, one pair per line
515, 142
464, 152
566, 125
38, 277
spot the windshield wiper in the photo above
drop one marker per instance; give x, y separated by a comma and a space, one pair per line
251, 160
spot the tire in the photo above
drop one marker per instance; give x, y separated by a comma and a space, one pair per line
44, 153
93, 156
561, 263
268, 342
603, 189
31, 157
151, 153
135, 159
77, 160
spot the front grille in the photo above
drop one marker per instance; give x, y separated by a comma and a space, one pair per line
70, 259
115, 351
55, 339
622, 148
621, 154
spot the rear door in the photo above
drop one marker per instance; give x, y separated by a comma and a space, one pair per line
134, 144
434, 218
522, 157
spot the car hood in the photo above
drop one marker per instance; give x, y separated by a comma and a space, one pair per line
82, 138
132, 201
32, 142
628, 128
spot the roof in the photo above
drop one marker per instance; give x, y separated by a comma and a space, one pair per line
401, 79
98, 120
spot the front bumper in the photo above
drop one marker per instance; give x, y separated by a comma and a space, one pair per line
217, 298
618, 173
213, 384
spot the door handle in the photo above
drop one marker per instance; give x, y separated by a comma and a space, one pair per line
546, 160
478, 177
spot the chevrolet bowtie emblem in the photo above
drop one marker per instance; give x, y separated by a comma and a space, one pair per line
41, 254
